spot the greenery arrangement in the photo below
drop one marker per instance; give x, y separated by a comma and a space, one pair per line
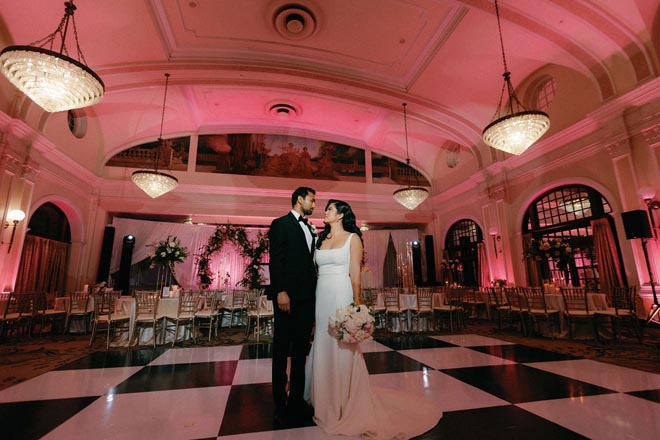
252, 250
560, 251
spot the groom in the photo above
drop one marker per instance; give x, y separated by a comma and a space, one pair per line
292, 290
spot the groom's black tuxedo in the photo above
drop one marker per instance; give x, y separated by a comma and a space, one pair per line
291, 260
292, 270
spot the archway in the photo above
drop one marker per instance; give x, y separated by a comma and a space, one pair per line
461, 261
43, 265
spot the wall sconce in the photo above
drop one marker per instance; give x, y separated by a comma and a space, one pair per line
651, 205
14, 216
496, 238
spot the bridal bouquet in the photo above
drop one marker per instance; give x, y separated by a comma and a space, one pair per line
352, 324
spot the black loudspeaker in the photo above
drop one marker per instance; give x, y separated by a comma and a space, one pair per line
636, 224
123, 276
103, 272
417, 262
430, 259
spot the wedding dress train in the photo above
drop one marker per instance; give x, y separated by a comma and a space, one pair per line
337, 379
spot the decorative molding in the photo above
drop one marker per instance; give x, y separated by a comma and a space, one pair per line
30, 171
618, 149
652, 136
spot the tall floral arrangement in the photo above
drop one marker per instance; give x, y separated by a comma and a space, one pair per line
168, 252
557, 249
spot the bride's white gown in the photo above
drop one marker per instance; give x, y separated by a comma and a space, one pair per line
337, 380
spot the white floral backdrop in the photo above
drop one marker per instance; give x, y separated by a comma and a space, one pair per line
228, 259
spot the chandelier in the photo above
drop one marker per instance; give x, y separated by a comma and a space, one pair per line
53, 80
409, 196
515, 131
153, 182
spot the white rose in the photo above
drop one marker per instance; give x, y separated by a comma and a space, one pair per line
162, 254
171, 244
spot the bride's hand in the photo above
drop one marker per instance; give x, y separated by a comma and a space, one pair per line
283, 302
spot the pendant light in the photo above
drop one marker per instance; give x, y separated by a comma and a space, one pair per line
153, 182
515, 131
410, 196
53, 80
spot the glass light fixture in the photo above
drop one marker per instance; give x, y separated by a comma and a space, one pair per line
53, 80
410, 196
14, 216
515, 131
153, 182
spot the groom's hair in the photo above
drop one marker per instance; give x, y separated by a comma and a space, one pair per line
302, 192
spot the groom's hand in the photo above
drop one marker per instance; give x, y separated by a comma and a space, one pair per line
283, 302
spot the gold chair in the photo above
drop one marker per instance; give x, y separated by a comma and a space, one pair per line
424, 307
452, 307
498, 305
235, 306
188, 306
53, 311
257, 311
537, 308
576, 307
106, 316
623, 309
81, 306
379, 310
474, 302
393, 309
207, 316
146, 315
517, 305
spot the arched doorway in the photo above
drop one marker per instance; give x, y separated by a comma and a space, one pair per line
461, 262
565, 217
43, 265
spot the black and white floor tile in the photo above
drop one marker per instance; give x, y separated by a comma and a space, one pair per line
487, 388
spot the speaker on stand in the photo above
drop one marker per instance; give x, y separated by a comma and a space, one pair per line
103, 273
430, 260
123, 277
417, 262
636, 225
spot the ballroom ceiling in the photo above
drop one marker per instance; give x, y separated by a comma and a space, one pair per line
343, 67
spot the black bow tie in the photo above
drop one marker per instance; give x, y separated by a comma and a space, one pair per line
302, 219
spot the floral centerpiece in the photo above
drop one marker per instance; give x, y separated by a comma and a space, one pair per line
560, 251
168, 252
451, 264
352, 324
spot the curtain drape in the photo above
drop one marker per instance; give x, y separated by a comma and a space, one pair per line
375, 247
484, 273
43, 265
533, 274
609, 266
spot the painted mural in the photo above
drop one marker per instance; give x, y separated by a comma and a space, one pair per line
173, 155
279, 156
270, 155
387, 170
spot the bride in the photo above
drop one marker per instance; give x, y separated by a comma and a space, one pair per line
338, 384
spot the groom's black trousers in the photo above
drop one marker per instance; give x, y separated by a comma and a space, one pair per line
292, 336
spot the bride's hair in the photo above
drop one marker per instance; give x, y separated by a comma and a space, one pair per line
348, 221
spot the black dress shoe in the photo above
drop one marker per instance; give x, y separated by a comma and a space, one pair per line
280, 421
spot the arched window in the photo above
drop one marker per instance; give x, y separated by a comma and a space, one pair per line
460, 263
564, 215
541, 93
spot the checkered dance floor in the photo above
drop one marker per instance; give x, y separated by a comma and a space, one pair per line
487, 388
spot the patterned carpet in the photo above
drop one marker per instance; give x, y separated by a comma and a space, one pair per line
25, 358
